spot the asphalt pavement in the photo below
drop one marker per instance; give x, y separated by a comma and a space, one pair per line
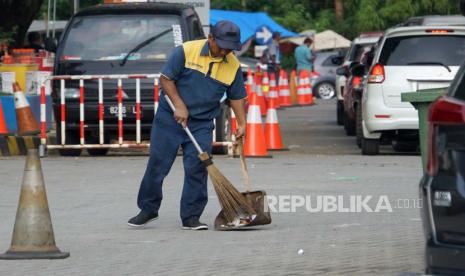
91, 199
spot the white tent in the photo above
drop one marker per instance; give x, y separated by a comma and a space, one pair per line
325, 40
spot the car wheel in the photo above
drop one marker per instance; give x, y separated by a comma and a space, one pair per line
370, 146
340, 113
72, 138
325, 90
404, 146
349, 125
223, 130
358, 125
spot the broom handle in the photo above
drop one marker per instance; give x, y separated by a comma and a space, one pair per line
189, 133
245, 171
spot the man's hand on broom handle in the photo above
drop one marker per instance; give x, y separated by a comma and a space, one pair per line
181, 114
238, 107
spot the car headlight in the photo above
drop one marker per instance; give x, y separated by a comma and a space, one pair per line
71, 93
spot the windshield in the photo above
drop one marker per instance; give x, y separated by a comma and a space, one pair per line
112, 37
417, 50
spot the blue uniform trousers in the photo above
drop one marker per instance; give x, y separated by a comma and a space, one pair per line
166, 137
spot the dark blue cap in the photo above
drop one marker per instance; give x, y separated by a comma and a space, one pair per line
227, 35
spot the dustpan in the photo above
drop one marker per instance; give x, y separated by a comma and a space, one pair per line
256, 199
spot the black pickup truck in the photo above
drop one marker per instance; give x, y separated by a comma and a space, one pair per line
113, 39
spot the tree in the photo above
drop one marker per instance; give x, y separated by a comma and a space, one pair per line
18, 14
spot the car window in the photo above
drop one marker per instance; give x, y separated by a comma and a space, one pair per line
357, 50
328, 61
112, 37
457, 87
411, 50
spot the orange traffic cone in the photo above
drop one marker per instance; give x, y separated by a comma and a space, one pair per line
233, 121
27, 123
303, 88
33, 236
3, 127
265, 85
272, 130
284, 93
293, 88
273, 94
260, 98
309, 90
249, 83
255, 144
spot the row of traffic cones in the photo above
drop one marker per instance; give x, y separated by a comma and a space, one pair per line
27, 123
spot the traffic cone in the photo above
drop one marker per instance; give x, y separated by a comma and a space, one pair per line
265, 85
249, 83
293, 88
260, 98
233, 121
33, 236
309, 90
273, 94
284, 93
255, 143
3, 127
27, 123
302, 88
272, 129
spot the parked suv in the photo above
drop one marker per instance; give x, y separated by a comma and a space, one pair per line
442, 187
97, 41
407, 59
358, 46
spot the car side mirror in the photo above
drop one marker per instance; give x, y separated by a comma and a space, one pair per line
51, 44
342, 71
358, 70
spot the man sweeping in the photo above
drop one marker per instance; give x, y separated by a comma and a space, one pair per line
195, 78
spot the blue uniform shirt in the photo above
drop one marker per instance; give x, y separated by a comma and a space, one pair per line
303, 58
202, 80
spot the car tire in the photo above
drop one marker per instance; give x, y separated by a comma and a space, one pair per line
324, 90
358, 126
349, 125
370, 146
404, 146
340, 113
72, 137
223, 129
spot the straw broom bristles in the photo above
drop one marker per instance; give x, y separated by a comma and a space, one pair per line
233, 203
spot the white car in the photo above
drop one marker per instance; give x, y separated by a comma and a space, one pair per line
407, 59
354, 54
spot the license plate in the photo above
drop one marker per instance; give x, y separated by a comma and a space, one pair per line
127, 110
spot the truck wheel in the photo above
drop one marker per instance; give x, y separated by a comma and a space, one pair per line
349, 125
97, 152
370, 146
340, 113
223, 129
72, 138
358, 126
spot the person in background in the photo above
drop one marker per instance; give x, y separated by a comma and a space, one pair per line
303, 56
274, 54
34, 42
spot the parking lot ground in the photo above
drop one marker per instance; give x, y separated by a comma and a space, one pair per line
92, 198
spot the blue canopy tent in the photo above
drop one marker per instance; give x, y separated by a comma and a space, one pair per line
249, 22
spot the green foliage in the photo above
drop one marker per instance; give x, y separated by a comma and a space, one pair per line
8, 36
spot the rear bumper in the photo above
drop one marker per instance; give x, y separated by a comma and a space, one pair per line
441, 259
378, 117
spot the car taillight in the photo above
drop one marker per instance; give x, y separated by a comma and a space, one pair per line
444, 111
376, 74
356, 82
439, 31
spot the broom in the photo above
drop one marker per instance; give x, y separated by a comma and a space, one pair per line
235, 206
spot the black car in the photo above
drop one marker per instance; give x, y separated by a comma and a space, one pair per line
442, 187
119, 39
